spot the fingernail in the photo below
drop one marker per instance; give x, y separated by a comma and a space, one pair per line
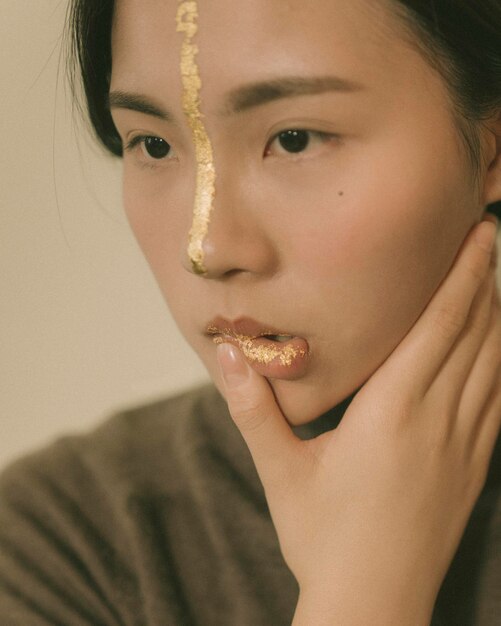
233, 366
486, 235
490, 217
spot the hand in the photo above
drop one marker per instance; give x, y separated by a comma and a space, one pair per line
375, 509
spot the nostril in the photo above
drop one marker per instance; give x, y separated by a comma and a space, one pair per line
212, 272
235, 245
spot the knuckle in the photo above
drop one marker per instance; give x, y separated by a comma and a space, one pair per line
439, 437
493, 360
449, 321
477, 268
493, 340
479, 325
249, 415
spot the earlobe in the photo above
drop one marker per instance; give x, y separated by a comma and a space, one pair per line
492, 186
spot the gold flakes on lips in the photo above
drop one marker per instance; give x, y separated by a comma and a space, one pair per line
186, 18
263, 353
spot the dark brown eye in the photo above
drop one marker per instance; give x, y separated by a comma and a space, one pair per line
294, 140
156, 148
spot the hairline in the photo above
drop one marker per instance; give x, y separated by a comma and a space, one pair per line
424, 43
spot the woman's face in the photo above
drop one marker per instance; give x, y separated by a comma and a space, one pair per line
339, 235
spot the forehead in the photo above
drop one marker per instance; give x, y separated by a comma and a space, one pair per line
242, 42
262, 37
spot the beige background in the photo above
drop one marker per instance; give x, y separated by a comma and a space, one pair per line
83, 329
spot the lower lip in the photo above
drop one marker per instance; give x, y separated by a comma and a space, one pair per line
286, 360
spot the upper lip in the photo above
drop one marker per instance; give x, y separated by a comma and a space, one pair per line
243, 326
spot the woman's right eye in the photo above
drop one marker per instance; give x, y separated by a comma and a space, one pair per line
152, 148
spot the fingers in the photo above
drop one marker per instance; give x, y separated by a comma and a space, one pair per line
272, 444
423, 351
481, 377
462, 366
489, 428
487, 369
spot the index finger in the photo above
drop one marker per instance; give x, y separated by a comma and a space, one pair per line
274, 447
421, 353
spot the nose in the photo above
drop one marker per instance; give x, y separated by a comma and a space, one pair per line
237, 241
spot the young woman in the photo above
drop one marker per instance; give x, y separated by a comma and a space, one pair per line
309, 184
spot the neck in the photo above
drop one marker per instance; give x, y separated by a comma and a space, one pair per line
327, 421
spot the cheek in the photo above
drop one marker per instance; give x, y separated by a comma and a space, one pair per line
159, 214
376, 254
152, 206
408, 203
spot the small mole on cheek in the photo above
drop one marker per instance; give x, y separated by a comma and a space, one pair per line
340, 193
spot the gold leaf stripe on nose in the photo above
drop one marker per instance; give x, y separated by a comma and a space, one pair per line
186, 19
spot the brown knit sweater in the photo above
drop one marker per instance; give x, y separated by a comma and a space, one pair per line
158, 518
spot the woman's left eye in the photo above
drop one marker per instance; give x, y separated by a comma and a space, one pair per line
296, 140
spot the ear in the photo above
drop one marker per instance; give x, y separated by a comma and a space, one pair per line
492, 186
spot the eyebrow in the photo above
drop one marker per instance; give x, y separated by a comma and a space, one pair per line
136, 102
257, 94
246, 97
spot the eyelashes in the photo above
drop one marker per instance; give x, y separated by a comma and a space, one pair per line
152, 146
153, 150
295, 141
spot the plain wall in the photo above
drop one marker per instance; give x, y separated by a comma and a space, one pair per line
83, 328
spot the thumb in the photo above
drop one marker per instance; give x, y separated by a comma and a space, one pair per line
253, 407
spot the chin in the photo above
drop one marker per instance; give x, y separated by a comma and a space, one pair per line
304, 403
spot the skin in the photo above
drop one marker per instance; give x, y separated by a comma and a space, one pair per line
343, 244
366, 245
375, 508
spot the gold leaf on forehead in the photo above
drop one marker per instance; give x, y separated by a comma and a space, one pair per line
186, 18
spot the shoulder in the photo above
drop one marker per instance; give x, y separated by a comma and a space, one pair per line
73, 514
131, 445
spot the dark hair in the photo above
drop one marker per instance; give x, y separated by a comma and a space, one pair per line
89, 25
461, 39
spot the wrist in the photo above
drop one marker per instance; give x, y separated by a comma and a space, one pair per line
360, 608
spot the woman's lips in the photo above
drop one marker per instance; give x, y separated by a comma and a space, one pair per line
282, 358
